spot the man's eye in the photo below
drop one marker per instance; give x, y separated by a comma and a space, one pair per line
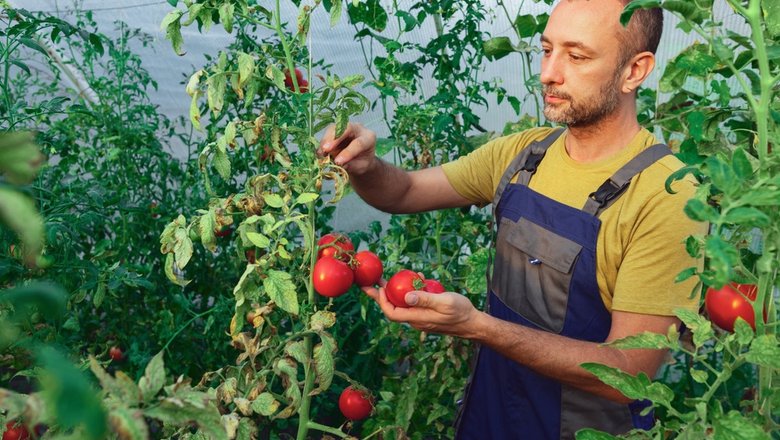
576, 57
546, 51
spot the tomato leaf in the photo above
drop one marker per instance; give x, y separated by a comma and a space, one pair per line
322, 320
246, 67
700, 327
305, 198
265, 404
324, 362
280, 288
296, 350
765, 351
258, 239
273, 200
171, 24
335, 13
733, 425
154, 377
226, 12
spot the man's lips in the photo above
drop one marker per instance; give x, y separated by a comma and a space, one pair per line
552, 99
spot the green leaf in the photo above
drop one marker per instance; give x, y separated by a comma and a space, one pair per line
741, 164
154, 378
258, 240
409, 21
221, 162
765, 351
305, 198
181, 412
734, 426
19, 213
324, 362
699, 211
322, 320
276, 76
700, 327
633, 387
592, 434
94, 40
335, 13
171, 24
747, 217
525, 25
477, 263
632, 6
498, 47
195, 112
20, 158
699, 376
100, 294
743, 332
226, 12
724, 256
297, 350
280, 288
216, 86
265, 405
643, 340
273, 200
685, 274
244, 283
246, 67
695, 124
182, 248
722, 175
369, 12
34, 45
771, 10
128, 423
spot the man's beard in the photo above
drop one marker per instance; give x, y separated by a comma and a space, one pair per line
584, 112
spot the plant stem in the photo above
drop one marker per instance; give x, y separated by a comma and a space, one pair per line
200, 315
328, 429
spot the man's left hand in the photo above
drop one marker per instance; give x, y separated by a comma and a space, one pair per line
447, 313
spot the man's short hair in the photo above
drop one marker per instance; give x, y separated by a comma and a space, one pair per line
642, 33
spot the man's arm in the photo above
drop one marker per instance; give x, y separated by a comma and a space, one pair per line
551, 355
383, 185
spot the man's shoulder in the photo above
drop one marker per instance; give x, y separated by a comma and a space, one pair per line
511, 144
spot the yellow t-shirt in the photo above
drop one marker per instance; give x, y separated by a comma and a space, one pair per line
640, 247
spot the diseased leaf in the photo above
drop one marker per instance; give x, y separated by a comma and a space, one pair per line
280, 288
154, 377
265, 404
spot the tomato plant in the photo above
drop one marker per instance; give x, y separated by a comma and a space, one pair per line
355, 404
368, 268
336, 246
332, 277
731, 301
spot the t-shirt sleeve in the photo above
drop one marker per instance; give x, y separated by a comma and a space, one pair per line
656, 255
472, 175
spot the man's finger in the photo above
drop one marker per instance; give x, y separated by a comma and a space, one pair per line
371, 291
334, 144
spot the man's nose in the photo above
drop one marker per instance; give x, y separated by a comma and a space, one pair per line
551, 72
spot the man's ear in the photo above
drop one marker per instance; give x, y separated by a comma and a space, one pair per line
637, 69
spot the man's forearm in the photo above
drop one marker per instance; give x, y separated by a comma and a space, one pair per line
554, 356
382, 187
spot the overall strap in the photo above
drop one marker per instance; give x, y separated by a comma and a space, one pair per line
612, 188
525, 165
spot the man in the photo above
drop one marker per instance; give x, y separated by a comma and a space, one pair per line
588, 244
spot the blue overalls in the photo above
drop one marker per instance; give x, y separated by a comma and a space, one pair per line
544, 277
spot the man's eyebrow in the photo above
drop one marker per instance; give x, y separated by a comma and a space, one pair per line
574, 44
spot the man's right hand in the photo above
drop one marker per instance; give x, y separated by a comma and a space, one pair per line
355, 150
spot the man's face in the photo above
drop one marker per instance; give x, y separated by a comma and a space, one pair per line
580, 76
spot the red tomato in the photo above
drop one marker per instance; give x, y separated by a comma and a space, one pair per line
303, 85
14, 431
402, 283
355, 404
433, 286
116, 353
724, 305
224, 232
368, 268
340, 246
332, 277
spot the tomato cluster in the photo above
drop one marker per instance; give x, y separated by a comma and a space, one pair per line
406, 281
338, 266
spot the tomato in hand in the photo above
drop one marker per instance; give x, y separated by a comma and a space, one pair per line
355, 404
368, 268
724, 305
15, 431
402, 283
332, 277
116, 353
336, 246
433, 286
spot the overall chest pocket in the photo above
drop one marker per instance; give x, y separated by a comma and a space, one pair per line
533, 272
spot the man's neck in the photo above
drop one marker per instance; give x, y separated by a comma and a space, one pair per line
603, 139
